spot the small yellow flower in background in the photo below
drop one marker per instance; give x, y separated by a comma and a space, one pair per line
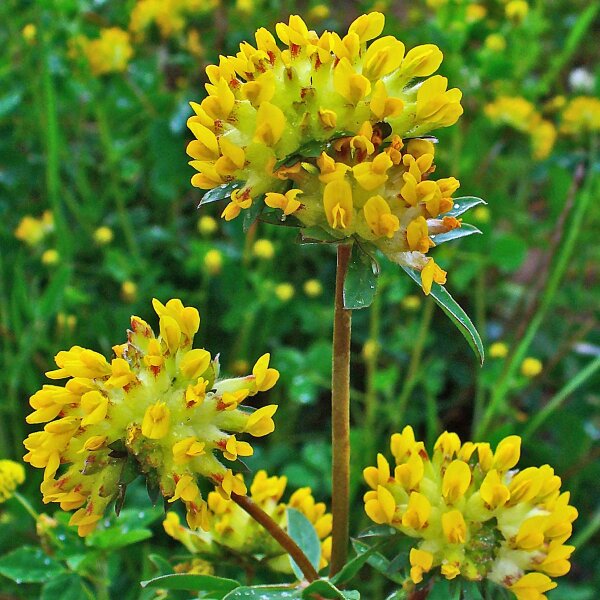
263, 249
312, 288
129, 291
363, 99
240, 366
370, 349
495, 42
319, 12
498, 350
481, 214
12, 475
244, 6
581, 115
32, 230
521, 115
516, 11
193, 44
50, 257
284, 291
213, 261
29, 33
232, 529
411, 302
531, 367
110, 53
103, 235
157, 401
197, 566
66, 322
475, 12
207, 225
472, 513
555, 103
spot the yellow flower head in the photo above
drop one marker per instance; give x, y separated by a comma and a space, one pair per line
32, 230
232, 529
581, 115
12, 474
472, 513
328, 131
531, 366
110, 53
103, 235
159, 405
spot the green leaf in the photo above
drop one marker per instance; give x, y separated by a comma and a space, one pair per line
455, 313
221, 192
445, 590
29, 565
311, 149
53, 294
378, 531
351, 568
253, 213
463, 204
360, 284
276, 217
378, 561
162, 565
302, 531
471, 591
318, 235
65, 587
191, 582
263, 592
113, 538
324, 589
454, 234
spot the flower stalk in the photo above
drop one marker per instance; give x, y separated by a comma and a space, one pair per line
287, 543
340, 414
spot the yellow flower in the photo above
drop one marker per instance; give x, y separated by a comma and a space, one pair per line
495, 42
232, 529
284, 291
213, 261
12, 474
498, 350
516, 10
50, 257
316, 130
207, 225
29, 33
531, 367
472, 513
32, 231
103, 235
263, 249
110, 53
581, 115
129, 291
159, 402
312, 288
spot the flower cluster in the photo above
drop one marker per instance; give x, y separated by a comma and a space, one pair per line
158, 406
109, 53
32, 230
473, 513
521, 115
581, 115
12, 474
168, 15
330, 130
232, 529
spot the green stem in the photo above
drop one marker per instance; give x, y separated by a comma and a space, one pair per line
26, 505
415, 362
481, 326
340, 415
287, 543
560, 397
371, 365
588, 531
547, 297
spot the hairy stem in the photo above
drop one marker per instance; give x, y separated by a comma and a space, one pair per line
286, 542
340, 415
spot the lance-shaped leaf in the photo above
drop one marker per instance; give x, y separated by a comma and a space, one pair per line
454, 234
456, 314
463, 204
221, 192
323, 589
360, 284
191, 582
263, 592
302, 531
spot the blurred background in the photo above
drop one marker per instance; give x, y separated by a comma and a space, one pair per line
98, 217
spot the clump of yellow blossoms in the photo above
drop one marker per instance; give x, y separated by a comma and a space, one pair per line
581, 115
330, 130
521, 115
231, 528
170, 16
158, 406
12, 475
32, 230
473, 513
110, 53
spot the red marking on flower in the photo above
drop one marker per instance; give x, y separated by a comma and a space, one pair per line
295, 50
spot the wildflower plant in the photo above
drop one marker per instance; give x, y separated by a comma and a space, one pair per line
159, 407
